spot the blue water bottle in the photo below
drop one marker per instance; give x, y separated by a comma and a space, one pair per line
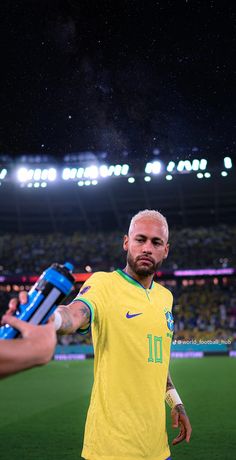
47, 293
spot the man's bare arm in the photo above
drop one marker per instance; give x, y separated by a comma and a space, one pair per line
178, 413
74, 316
36, 346
169, 383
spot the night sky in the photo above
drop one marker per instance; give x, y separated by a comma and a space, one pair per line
129, 78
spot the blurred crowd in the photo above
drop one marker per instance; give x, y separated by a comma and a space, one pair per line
203, 309
31, 254
212, 247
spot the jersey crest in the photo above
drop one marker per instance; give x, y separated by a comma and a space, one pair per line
169, 320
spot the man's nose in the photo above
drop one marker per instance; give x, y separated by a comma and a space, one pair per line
147, 247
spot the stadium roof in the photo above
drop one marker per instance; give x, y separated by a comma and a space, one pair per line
64, 206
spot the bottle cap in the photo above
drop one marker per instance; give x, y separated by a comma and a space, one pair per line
69, 266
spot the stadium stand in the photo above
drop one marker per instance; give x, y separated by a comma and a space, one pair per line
200, 247
204, 308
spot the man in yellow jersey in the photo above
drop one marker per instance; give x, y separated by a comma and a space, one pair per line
132, 327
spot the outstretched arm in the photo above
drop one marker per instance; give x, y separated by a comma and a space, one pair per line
178, 413
38, 342
34, 348
69, 318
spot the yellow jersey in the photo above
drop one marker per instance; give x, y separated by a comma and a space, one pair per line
132, 329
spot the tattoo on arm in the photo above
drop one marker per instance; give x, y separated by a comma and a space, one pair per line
74, 318
169, 383
67, 320
180, 409
86, 312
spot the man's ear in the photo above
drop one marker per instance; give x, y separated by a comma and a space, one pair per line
125, 243
166, 250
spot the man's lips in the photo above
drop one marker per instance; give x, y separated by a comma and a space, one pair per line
145, 259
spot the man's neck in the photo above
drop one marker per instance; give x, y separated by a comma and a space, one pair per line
144, 280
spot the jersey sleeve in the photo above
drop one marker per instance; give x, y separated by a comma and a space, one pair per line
171, 300
92, 295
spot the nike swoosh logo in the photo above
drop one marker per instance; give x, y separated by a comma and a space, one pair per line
128, 315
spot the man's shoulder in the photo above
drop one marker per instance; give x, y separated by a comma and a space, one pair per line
97, 282
162, 290
101, 277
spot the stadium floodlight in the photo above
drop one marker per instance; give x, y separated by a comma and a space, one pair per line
153, 168
66, 174
224, 173
203, 164
131, 180
30, 185
36, 185
22, 174
44, 184
180, 166
148, 168
94, 182
44, 174
169, 177
3, 173
25, 175
80, 183
103, 171
187, 165
111, 170
52, 174
91, 172
195, 165
37, 174
170, 166
147, 178
80, 173
73, 173
87, 182
200, 175
207, 175
156, 167
228, 163
124, 170
184, 165
117, 170
94, 172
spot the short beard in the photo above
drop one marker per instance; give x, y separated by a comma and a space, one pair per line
144, 272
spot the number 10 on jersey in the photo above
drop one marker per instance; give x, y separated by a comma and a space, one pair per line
155, 349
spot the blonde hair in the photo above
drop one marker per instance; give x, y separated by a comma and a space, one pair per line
150, 214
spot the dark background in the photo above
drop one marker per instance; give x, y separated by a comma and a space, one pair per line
126, 77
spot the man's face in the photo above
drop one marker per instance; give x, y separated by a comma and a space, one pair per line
146, 246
